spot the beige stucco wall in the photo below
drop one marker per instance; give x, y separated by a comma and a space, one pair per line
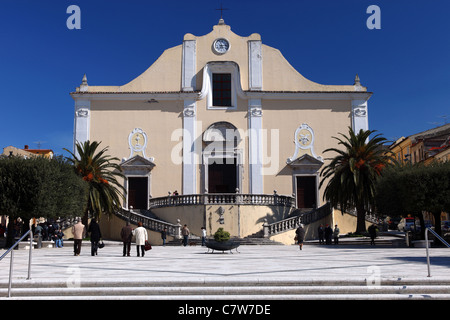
160, 121
113, 121
165, 73
326, 118
346, 222
239, 220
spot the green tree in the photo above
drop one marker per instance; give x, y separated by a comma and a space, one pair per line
351, 175
39, 187
101, 172
399, 192
413, 189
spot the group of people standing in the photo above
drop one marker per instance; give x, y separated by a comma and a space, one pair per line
141, 235
127, 233
79, 232
327, 233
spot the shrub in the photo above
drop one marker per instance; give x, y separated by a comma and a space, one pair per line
221, 235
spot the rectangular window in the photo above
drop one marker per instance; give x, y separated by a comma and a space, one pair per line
221, 89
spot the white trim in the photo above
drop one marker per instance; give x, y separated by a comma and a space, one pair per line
82, 122
188, 70
145, 96
137, 167
138, 148
223, 154
255, 79
255, 147
221, 67
189, 147
299, 146
360, 116
127, 185
316, 175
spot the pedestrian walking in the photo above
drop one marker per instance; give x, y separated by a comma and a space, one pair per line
141, 236
320, 231
328, 234
96, 235
126, 234
203, 236
373, 233
185, 233
336, 232
78, 231
300, 233
164, 236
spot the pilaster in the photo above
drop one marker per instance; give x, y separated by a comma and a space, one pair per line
82, 122
189, 65
189, 147
255, 65
360, 117
255, 146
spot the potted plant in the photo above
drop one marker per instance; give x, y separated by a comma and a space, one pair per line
222, 241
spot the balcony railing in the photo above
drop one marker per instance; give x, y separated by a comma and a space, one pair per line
222, 198
150, 223
293, 222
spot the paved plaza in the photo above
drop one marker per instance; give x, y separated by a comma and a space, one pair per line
314, 262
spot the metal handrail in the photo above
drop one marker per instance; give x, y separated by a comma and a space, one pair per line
426, 245
29, 232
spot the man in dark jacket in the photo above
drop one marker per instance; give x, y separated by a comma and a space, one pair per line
96, 235
300, 232
328, 234
373, 233
126, 234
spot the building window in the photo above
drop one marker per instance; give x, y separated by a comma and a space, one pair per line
221, 84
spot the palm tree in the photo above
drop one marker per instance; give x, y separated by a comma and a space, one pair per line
101, 173
351, 175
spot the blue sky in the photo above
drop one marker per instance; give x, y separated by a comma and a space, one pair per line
406, 63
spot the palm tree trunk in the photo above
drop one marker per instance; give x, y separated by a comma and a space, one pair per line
360, 219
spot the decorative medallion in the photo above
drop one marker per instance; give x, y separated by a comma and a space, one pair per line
137, 141
304, 140
82, 112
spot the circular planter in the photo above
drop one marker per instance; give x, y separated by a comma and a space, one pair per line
222, 246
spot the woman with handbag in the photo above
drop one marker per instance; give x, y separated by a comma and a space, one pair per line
140, 233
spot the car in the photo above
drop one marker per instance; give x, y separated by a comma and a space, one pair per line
406, 224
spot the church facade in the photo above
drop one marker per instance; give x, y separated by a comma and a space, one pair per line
219, 114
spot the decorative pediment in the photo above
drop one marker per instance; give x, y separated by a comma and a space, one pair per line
137, 164
306, 162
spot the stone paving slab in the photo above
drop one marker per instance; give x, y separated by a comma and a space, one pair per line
255, 263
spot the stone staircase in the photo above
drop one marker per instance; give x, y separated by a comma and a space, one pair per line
231, 289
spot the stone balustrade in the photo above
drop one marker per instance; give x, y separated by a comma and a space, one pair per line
150, 223
293, 222
222, 198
